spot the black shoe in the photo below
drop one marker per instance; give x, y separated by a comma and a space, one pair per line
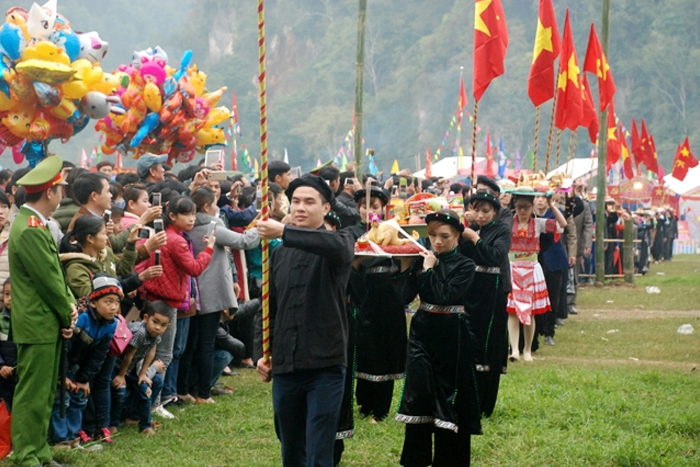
549, 340
560, 322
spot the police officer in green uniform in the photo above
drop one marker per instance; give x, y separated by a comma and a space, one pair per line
43, 311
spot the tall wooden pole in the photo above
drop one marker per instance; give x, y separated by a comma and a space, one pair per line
362, 15
602, 156
262, 78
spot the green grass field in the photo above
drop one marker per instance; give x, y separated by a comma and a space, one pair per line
620, 388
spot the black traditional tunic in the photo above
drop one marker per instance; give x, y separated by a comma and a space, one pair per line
379, 293
486, 308
440, 386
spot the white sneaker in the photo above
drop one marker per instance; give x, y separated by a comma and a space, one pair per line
163, 412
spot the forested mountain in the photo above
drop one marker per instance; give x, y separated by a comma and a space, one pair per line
414, 52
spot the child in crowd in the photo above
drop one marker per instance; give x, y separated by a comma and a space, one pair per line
87, 350
132, 367
8, 350
176, 287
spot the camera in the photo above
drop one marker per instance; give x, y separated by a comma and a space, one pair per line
107, 216
158, 225
144, 233
349, 182
156, 199
156, 258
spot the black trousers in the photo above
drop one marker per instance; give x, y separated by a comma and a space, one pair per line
545, 322
451, 449
374, 398
488, 382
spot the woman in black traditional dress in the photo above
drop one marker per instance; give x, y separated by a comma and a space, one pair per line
487, 243
379, 292
440, 392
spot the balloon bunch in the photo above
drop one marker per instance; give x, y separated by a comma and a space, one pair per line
50, 81
167, 110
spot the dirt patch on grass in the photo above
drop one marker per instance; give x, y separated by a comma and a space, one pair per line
637, 312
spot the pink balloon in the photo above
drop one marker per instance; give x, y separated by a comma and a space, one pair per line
3, 146
17, 155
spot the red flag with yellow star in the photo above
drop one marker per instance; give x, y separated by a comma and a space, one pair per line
627, 168
597, 64
614, 145
647, 151
637, 151
489, 157
569, 99
685, 160
490, 44
462, 101
540, 83
590, 116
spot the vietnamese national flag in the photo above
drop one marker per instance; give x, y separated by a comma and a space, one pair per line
647, 152
462, 101
590, 118
684, 161
653, 161
490, 44
614, 145
540, 83
637, 151
489, 157
569, 100
627, 168
597, 63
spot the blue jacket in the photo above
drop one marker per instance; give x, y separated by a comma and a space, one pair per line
88, 348
553, 254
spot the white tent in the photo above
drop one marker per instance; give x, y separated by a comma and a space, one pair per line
447, 167
577, 168
690, 184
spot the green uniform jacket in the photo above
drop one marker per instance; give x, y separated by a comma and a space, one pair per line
81, 268
41, 299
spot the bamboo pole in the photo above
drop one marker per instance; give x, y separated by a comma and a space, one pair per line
537, 138
473, 172
551, 134
359, 86
558, 150
602, 155
262, 78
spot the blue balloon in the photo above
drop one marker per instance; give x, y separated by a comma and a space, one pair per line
184, 63
34, 152
148, 125
67, 40
80, 124
12, 40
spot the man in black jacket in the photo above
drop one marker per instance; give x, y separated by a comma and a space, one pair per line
309, 274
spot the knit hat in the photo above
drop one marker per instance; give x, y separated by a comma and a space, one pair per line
311, 181
102, 285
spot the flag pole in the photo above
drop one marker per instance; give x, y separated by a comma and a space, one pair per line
558, 150
262, 78
537, 138
573, 141
551, 133
359, 77
473, 172
602, 156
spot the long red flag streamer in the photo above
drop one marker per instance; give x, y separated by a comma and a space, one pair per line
262, 78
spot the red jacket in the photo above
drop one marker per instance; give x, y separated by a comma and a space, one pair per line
178, 264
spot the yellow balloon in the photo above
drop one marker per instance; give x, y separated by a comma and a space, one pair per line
6, 103
107, 85
151, 94
217, 116
207, 136
65, 109
19, 120
46, 51
77, 87
213, 97
198, 79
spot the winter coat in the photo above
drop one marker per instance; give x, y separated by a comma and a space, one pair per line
178, 264
65, 213
216, 282
81, 268
4, 256
88, 347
